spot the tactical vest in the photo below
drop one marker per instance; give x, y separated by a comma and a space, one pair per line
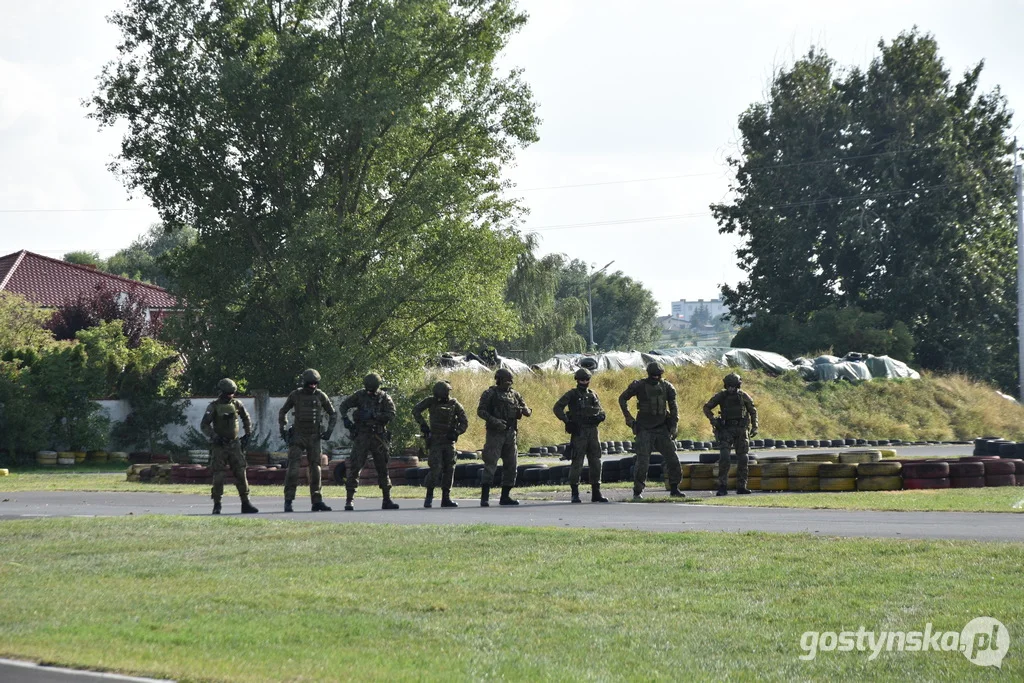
504, 405
307, 410
584, 407
368, 407
442, 416
732, 407
652, 400
225, 419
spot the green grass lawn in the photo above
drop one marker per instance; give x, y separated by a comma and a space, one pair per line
998, 499
208, 599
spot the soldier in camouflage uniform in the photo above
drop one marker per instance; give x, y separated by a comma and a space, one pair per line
655, 427
580, 410
737, 412
447, 422
220, 424
373, 410
305, 435
501, 407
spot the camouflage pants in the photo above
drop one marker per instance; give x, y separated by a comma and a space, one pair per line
441, 460
647, 441
373, 445
585, 444
732, 438
500, 444
308, 443
231, 455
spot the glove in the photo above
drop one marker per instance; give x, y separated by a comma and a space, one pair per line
630, 422
600, 417
425, 430
325, 436
452, 436
753, 431
673, 428
347, 421
495, 423
526, 411
284, 435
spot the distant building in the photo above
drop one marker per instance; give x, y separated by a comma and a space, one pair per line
685, 309
50, 282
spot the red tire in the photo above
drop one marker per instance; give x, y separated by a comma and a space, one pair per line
979, 458
931, 483
967, 482
999, 467
926, 470
1000, 480
965, 470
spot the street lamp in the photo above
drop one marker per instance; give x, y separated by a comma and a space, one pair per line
590, 303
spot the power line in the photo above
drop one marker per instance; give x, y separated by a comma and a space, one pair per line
619, 182
68, 210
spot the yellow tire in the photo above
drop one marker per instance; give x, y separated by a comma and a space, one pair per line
704, 471
817, 457
883, 483
887, 453
804, 469
685, 483
833, 470
860, 456
879, 469
4, 472
837, 484
775, 483
754, 471
703, 484
754, 483
804, 484
775, 470
687, 470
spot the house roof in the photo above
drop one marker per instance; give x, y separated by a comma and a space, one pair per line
50, 282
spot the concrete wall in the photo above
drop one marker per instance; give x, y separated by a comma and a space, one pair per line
262, 410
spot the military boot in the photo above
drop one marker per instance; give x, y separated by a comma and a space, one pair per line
348, 503
675, 492
506, 498
595, 494
743, 490
446, 499
722, 491
575, 493
321, 506
248, 508
387, 503
288, 505
428, 500
216, 506
638, 493
485, 493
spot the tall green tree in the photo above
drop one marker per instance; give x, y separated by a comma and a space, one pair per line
22, 324
888, 189
625, 312
147, 257
86, 258
340, 161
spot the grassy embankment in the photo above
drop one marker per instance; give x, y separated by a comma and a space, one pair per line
935, 408
255, 600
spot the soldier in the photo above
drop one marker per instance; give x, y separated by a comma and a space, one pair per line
447, 422
374, 409
581, 421
501, 407
655, 427
309, 404
220, 423
737, 411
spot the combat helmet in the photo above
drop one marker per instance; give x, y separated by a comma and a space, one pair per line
310, 376
732, 380
503, 375
227, 386
442, 390
655, 369
582, 375
372, 382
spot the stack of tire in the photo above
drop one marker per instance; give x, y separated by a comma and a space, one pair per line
612, 470
879, 476
686, 483
930, 474
998, 471
804, 476
538, 474
703, 477
46, 458
968, 473
838, 476
775, 472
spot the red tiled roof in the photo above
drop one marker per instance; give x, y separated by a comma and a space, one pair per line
50, 282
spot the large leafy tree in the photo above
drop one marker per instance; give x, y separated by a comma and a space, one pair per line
888, 189
625, 312
340, 161
146, 258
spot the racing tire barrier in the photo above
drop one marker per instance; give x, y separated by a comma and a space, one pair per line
802, 470
880, 483
774, 483
837, 484
879, 469
967, 482
804, 484
932, 483
1000, 480
837, 470
860, 456
925, 470
818, 457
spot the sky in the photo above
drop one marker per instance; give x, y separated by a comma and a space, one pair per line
639, 103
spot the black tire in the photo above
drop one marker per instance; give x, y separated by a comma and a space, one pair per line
925, 470
708, 458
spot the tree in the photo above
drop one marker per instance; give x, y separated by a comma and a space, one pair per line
340, 161
85, 258
22, 324
104, 305
701, 317
888, 189
625, 313
145, 258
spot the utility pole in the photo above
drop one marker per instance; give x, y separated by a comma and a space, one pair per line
590, 303
1018, 177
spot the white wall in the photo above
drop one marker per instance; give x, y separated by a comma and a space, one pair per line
263, 414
